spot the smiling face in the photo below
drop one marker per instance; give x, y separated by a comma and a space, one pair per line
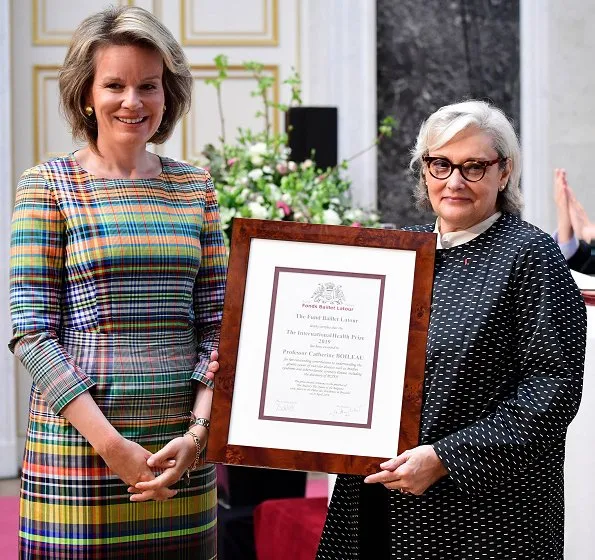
460, 203
127, 95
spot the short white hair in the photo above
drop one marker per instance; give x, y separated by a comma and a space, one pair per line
445, 123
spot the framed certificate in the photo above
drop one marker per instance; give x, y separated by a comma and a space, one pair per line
322, 350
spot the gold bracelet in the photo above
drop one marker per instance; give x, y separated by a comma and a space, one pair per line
198, 446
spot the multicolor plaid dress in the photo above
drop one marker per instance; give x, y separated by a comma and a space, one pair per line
117, 289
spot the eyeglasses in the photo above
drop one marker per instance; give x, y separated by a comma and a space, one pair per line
442, 168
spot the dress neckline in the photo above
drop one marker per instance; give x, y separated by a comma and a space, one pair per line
81, 169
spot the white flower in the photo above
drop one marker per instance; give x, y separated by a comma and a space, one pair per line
255, 174
286, 197
331, 217
355, 215
275, 191
244, 180
267, 169
256, 152
349, 215
226, 214
307, 164
258, 149
260, 199
292, 165
258, 211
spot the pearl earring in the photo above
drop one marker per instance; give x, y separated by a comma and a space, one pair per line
88, 110
501, 187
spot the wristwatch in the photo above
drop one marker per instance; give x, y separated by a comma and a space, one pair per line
194, 421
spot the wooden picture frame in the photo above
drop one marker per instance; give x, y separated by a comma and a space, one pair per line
322, 350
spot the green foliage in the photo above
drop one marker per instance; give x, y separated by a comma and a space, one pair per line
222, 64
256, 178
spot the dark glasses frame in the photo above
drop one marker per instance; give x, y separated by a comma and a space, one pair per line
460, 166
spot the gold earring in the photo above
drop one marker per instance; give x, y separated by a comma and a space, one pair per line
88, 110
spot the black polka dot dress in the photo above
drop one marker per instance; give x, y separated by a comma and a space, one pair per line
504, 366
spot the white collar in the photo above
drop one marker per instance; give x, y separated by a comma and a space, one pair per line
456, 238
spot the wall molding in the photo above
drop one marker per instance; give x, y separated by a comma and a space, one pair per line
48, 37
268, 35
200, 72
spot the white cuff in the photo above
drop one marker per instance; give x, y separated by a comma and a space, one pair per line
569, 248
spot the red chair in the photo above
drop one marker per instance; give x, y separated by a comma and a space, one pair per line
289, 528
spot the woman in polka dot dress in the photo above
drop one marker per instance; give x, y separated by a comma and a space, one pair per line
504, 367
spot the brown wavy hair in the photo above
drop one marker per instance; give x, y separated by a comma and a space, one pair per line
122, 26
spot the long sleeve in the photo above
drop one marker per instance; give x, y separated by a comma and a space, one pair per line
209, 288
583, 259
569, 248
548, 330
36, 272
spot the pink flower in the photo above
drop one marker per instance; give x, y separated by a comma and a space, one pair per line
282, 168
356, 224
286, 209
231, 161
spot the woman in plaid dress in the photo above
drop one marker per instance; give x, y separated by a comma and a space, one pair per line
117, 282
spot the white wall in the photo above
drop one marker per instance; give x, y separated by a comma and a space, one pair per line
572, 99
557, 102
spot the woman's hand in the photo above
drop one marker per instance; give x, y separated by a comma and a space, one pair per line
124, 458
560, 186
583, 227
589, 233
412, 472
174, 460
128, 460
213, 365
561, 197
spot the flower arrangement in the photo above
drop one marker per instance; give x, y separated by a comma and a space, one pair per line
256, 178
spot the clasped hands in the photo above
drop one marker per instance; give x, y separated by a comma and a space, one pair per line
411, 472
572, 218
135, 465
